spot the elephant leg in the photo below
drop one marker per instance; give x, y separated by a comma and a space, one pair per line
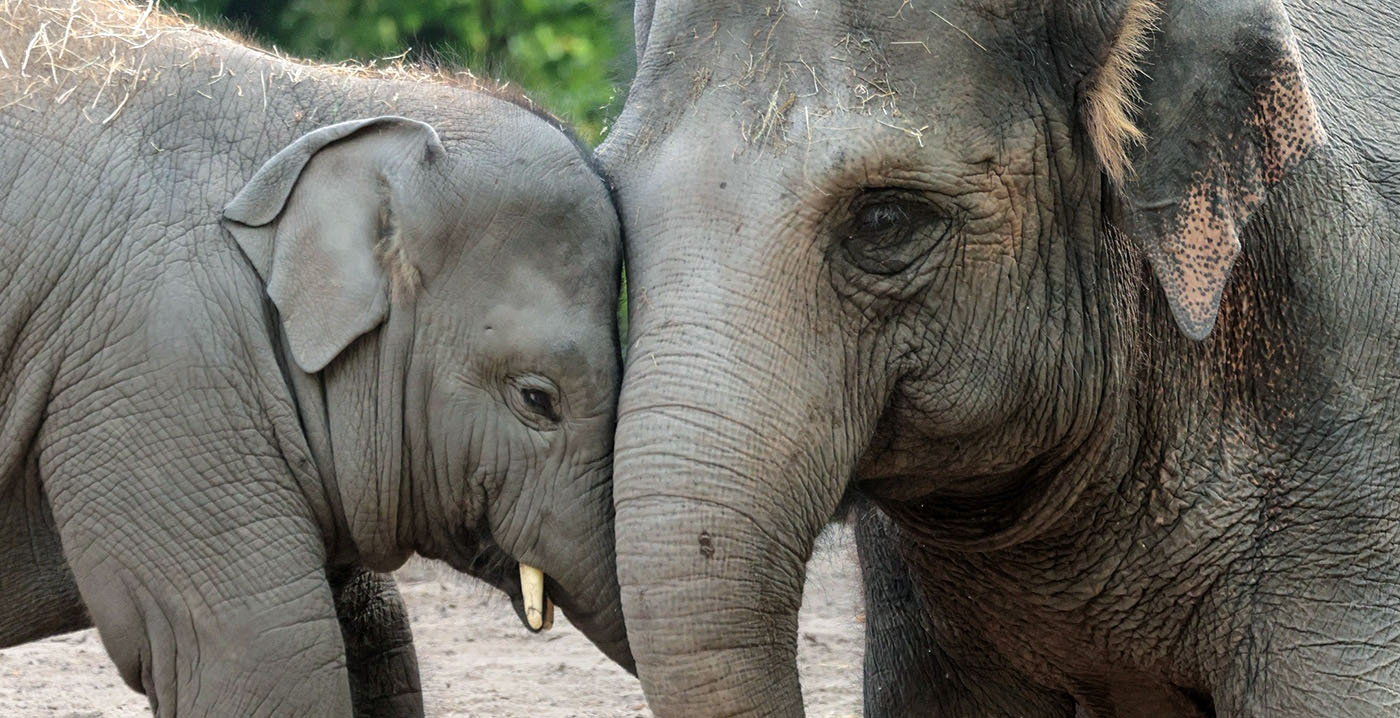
913, 664
196, 554
378, 644
208, 627
40, 597
198, 640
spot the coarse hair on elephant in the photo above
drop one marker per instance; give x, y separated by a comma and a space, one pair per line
268, 328
1089, 307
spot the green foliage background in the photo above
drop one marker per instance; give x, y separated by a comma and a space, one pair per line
569, 55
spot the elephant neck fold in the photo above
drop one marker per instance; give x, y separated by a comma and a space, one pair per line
352, 420
309, 396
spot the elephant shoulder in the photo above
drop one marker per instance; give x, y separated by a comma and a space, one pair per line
198, 300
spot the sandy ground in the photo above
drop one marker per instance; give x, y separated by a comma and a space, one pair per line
476, 659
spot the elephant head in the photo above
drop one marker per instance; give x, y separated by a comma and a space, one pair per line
915, 247
448, 308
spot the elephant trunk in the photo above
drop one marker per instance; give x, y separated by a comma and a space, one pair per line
728, 464
717, 638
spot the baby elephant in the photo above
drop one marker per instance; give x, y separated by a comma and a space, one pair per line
264, 325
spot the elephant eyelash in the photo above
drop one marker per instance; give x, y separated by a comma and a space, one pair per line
915, 201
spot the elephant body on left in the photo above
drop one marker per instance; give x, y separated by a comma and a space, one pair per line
268, 327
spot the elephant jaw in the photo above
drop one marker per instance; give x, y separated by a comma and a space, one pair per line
479, 556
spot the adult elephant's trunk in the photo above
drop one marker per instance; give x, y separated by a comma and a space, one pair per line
733, 450
711, 568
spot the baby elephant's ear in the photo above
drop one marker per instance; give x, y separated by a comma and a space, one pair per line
316, 222
1199, 109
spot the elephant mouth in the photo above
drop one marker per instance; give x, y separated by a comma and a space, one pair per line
526, 586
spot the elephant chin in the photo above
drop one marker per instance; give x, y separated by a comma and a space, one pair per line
602, 623
593, 610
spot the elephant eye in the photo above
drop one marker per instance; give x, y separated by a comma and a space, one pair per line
540, 401
879, 238
536, 400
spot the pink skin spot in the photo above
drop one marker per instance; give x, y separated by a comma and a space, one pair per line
1194, 259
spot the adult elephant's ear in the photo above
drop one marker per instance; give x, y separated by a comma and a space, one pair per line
1196, 110
318, 222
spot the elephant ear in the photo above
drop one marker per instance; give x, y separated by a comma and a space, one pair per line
1197, 109
318, 223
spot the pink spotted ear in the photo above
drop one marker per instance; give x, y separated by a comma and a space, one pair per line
1224, 115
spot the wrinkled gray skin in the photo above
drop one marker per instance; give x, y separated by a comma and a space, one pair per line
873, 252
249, 349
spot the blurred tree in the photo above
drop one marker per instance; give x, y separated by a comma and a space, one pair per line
569, 55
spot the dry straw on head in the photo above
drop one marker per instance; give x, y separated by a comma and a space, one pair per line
97, 51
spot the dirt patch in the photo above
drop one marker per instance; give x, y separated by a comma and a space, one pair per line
477, 660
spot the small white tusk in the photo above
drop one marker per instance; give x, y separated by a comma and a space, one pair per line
532, 595
548, 615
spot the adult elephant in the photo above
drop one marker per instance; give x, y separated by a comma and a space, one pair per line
1094, 300
265, 325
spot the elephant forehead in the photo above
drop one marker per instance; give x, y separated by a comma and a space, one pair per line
762, 27
793, 75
